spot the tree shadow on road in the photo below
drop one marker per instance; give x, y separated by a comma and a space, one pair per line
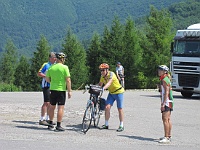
140, 138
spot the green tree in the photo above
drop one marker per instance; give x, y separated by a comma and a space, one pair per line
22, 74
159, 36
112, 44
76, 60
105, 44
94, 59
9, 62
185, 13
40, 56
132, 58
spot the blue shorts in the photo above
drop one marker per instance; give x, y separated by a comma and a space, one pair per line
118, 97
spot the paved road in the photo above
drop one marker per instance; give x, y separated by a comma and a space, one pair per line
20, 113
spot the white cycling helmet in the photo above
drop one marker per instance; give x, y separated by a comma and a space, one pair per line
163, 67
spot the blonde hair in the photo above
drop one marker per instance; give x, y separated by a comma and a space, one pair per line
169, 76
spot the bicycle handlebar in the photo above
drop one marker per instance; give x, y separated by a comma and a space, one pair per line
87, 87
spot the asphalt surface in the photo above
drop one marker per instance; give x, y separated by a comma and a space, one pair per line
20, 130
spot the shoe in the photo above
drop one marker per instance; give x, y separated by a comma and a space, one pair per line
51, 127
170, 138
164, 140
59, 129
120, 129
43, 122
48, 121
104, 127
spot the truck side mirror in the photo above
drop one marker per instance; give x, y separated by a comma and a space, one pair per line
172, 47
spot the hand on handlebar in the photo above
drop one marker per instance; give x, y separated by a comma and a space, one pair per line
103, 89
86, 88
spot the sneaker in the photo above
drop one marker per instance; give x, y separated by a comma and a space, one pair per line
51, 127
48, 121
120, 129
59, 129
170, 138
43, 122
104, 127
165, 140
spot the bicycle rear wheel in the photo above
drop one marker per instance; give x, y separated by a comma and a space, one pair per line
97, 114
87, 119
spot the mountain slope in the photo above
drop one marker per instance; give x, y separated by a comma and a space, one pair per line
23, 21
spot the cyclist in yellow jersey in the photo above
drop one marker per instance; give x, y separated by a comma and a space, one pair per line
109, 81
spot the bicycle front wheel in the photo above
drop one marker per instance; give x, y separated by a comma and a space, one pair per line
97, 115
87, 119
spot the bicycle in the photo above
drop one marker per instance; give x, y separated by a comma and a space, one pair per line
93, 108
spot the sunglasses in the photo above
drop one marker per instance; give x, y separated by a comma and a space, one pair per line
102, 70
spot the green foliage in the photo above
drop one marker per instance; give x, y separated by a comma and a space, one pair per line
185, 13
142, 80
76, 60
152, 82
112, 44
4, 87
158, 39
140, 48
22, 74
94, 59
8, 63
24, 21
41, 56
132, 57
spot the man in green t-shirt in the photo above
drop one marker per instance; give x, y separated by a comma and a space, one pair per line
59, 78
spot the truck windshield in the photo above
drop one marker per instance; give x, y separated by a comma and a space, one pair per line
187, 48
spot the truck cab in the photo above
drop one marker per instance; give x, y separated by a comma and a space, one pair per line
185, 63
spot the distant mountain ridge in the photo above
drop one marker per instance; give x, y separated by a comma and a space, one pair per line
23, 21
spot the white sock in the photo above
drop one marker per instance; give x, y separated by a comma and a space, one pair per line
121, 124
106, 122
47, 117
42, 118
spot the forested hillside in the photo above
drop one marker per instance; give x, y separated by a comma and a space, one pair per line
24, 21
89, 33
185, 13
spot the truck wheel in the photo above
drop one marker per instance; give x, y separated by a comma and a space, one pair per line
186, 94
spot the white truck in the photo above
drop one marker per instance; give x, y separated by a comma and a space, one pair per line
185, 64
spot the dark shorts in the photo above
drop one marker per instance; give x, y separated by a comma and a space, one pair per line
57, 97
167, 109
46, 94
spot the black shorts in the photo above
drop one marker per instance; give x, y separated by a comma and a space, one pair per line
167, 109
57, 97
46, 94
